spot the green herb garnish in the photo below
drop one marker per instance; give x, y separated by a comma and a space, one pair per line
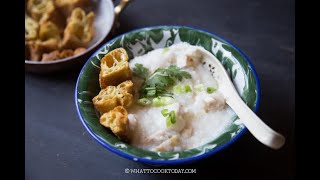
140, 71
170, 117
210, 90
144, 101
162, 101
199, 87
164, 112
187, 88
177, 89
165, 50
181, 89
155, 85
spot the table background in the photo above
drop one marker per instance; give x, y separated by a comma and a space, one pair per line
57, 146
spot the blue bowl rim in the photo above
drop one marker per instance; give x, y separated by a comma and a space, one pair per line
176, 161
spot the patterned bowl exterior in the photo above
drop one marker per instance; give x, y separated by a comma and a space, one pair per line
141, 41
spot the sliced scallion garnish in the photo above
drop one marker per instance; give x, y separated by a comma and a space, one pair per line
144, 101
210, 90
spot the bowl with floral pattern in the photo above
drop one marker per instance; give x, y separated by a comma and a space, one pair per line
141, 41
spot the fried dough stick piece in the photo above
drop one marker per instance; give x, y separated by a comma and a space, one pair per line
113, 96
117, 121
66, 6
49, 40
31, 28
79, 30
45, 10
114, 68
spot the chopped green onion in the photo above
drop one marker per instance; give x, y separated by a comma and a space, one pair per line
162, 101
199, 87
210, 90
182, 89
168, 121
144, 101
173, 117
187, 88
177, 89
164, 112
151, 91
170, 117
165, 50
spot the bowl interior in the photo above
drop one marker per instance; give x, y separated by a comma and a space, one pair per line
104, 17
142, 41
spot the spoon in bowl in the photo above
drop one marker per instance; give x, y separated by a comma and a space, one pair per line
255, 125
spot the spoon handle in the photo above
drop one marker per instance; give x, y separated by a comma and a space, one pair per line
255, 125
117, 11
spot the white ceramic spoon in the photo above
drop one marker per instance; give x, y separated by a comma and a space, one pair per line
255, 125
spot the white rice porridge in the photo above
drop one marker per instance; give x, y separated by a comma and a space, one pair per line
200, 116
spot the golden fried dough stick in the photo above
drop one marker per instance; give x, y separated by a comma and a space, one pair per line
38, 47
49, 30
113, 96
45, 10
114, 68
106, 100
66, 6
39, 7
31, 28
79, 50
65, 53
49, 40
56, 18
126, 86
124, 93
79, 31
54, 55
34, 51
117, 121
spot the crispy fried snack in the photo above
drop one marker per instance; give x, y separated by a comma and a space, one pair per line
39, 7
79, 31
114, 68
79, 50
106, 99
31, 28
117, 121
56, 18
113, 96
49, 40
126, 86
66, 6
50, 56
49, 30
37, 48
34, 52
66, 53
45, 10
54, 55
124, 93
